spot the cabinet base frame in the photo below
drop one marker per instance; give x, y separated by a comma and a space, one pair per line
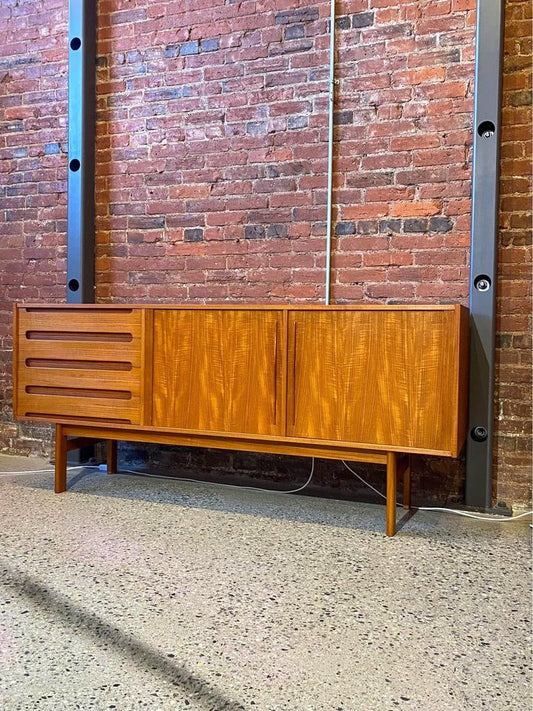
397, 465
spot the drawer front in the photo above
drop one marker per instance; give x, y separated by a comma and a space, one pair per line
79, 364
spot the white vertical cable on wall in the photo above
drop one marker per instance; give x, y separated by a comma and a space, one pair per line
329, 223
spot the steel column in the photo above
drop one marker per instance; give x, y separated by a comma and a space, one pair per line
80, 183
484, 247
81, 136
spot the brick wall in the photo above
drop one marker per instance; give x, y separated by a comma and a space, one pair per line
211, 171
33, 151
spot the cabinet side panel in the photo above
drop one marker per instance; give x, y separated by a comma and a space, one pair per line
375, 377
218, 370
15, 364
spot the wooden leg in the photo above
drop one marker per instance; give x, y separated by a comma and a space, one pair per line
406, 500
391, 493
111, 456
60, 483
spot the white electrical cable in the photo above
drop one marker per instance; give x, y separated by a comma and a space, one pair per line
102, 467
229, 486
467, 514
364, 482
473, 515
50, 471
331, 109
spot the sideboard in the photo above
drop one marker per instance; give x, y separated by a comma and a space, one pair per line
365, 383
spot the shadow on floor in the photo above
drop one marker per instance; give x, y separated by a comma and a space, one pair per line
302, 508
92, 626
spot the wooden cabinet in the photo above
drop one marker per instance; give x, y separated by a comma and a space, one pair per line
218, 370
365, 383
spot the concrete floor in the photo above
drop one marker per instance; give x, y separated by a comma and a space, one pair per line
128, 593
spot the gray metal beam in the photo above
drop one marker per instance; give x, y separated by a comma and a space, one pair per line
81, 136
80, 183
484, 249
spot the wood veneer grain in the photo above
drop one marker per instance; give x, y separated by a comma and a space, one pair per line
377, 378
218, 370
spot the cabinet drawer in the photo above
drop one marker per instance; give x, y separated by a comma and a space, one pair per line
79, 364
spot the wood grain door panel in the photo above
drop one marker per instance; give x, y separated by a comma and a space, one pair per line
374, 377
219, 370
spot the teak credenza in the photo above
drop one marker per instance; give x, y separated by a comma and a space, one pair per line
365, 383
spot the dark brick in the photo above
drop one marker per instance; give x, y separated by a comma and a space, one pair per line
209, 45
290, 17
317, 74
277, 230
343, 22
440, 224
362, 19
17, 62
20, 152
142, 222
190, 48
51, 148
256, 128
12, 126
390, 226
164, 94
343, 117
345, 228
416, 224
134, 57
504, 340
294, 32
254, 232
171, 50
520, 98
194, 235
297, 122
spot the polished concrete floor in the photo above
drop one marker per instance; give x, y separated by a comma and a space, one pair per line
129, 593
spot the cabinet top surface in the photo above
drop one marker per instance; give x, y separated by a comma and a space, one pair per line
249, 307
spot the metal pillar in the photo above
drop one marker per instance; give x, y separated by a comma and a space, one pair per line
81, 135
484, 247
80, 182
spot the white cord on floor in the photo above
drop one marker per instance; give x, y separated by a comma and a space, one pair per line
230, 486
50, 471
467, 514
102, 467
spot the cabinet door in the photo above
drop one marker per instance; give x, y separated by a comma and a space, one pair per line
374, 377
218, 370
